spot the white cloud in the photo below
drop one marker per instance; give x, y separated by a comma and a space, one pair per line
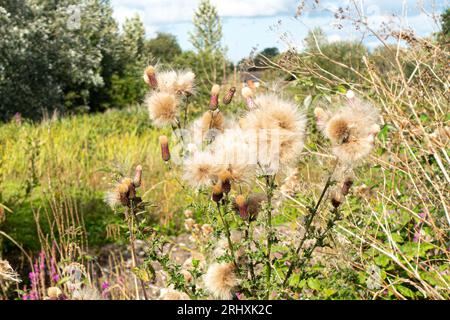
163, 11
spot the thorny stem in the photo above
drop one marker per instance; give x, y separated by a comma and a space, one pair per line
309, 219
228, 235
270, 186
319, 241
248, 238
130, 220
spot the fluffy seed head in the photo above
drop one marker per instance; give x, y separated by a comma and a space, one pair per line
212, 120
220, 280
54, 292
171, 294
184, 83
200, 169
280, 128
352, 130
7, 273
338, 130
176, 82
163, 108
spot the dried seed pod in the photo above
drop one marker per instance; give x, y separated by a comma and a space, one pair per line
247, 93
225, 180
346, 186
214, 102
242, 207
337, 198
138, 176
217, 192
165, 152
150, 77
229, 96
254, 204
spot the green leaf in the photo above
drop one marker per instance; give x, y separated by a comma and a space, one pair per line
382, 260
314, 284
408, 293
329, 292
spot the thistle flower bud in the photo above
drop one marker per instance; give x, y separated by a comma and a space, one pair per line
242, 206
126, 191
217, 192
346, 186
214, 102
254, 204
229, 96
150, 77
336, 198
138, 176
225, 180
165, 152
247, 93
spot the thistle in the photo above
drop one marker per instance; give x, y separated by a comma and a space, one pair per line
124, 192
351, 129
247, 93
214, 101
229, 96
150, 77
220, 280
242, 207
165, 152
224, 179
217, 193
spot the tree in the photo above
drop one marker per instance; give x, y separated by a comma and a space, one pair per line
49, 59
267, 53
444, 35
206, 39
207, 36
316, 37
133, 38
164, 47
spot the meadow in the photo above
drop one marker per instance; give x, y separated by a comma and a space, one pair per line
119, 205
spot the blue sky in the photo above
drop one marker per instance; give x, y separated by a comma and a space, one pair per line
249, 24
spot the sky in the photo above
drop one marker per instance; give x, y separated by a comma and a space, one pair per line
257, 24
